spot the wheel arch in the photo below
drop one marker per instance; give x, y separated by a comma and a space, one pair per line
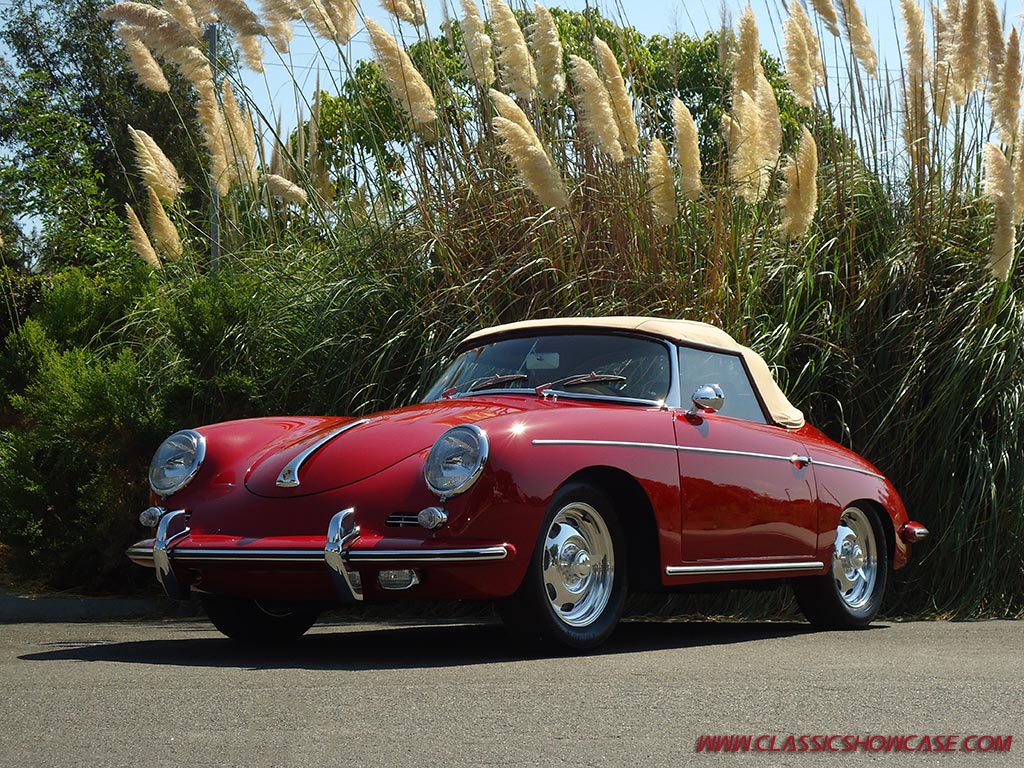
888, 525
636, 513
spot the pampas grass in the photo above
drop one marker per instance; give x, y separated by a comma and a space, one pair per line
618, 94
157, 171
479, 62
239, 16
595, 114
1006, 98
967, 49
144, 65
533, 163
999, 189
281, 187
687, 149
799, 70
140, 240
813, 45
550, 77
859, 37
344, 16
827, 12
165, 235
215, 136
407, 86
800, 196
746, 148
241, 135
747, 64
515, 65
184, 15
315, 14
661, 189
279, 15
995, 45
411, 11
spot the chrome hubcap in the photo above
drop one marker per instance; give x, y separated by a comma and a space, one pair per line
578, 566
855, 559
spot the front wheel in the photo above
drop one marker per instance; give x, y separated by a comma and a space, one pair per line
850, 596
575, 586
255, 622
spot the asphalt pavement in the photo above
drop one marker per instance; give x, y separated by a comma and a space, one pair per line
175, 693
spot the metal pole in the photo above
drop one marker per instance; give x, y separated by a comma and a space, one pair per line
211, 38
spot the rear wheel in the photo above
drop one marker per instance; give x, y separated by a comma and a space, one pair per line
257, 622
575, 586
850, 595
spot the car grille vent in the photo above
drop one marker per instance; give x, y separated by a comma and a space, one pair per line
402, 520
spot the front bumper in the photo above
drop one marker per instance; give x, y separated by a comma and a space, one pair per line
175, 549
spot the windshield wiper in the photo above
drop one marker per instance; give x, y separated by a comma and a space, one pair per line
578, 379
484, 383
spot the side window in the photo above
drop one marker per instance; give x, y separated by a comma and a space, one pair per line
700, 366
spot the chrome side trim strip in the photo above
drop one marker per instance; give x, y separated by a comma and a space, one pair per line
141, 556
427, 555
709, 570
249, 555
289, 476
859, 471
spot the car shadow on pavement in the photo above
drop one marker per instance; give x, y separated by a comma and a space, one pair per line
377, 647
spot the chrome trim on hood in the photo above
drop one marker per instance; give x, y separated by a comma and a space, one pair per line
289, 476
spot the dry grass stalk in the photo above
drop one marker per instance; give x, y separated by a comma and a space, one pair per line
550, 75
278, 166
999, 189
407, 86
967, 49
515, 65
281, 187
661, 188
165, 234
688, 150
622, 103
594, 107
800, 197
533, 163
915, 99
747, 65
827, 13
239, 16
184, 15
140, 240
1005, 94
798, 62
995, 45
145, 67
479, 62
814, 59
316, 169
859, 37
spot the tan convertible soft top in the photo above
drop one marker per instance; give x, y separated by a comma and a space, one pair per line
782, 411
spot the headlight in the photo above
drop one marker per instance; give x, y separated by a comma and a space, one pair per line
456, 460
176, 462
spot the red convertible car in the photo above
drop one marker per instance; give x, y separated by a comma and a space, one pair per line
554, 466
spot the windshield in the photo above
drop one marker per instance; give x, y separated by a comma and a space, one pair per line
586, 364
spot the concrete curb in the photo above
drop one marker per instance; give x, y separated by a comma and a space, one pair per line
15, 608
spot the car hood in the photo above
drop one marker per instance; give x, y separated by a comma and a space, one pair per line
360, 447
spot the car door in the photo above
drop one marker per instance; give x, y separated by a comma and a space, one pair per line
745, 493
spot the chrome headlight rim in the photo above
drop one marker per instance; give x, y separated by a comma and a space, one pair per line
483, 452
198, 456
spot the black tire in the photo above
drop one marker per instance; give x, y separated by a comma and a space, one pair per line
850, 595
259, 623
575, 586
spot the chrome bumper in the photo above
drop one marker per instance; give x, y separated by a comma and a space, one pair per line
342, 534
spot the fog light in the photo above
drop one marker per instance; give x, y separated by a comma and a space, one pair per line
432, 518
151, 517
398, 580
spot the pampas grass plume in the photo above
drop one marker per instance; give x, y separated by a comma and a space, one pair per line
798, 63
967, 50
144, 65
316, 16
533, 163
661, 187
237, 15
827, 13
800, 199
771, 123
860, 37
814, 59
140, 240
281, 187
479, 62
344, 15
687, 149
242, 137
596, 115
411, 11
514, 61
215, 135
508, 109
252, 52
550, 77
407, 86
184, 15
748, 55
1006, 100
158, 173
995, 45
746, 154
999, 188
618, 94
165, 234
159, 29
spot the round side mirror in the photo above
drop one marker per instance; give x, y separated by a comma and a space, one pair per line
709, 398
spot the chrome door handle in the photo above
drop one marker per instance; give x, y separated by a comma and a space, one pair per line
800, 461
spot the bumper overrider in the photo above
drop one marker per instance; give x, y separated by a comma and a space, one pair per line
174, 545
